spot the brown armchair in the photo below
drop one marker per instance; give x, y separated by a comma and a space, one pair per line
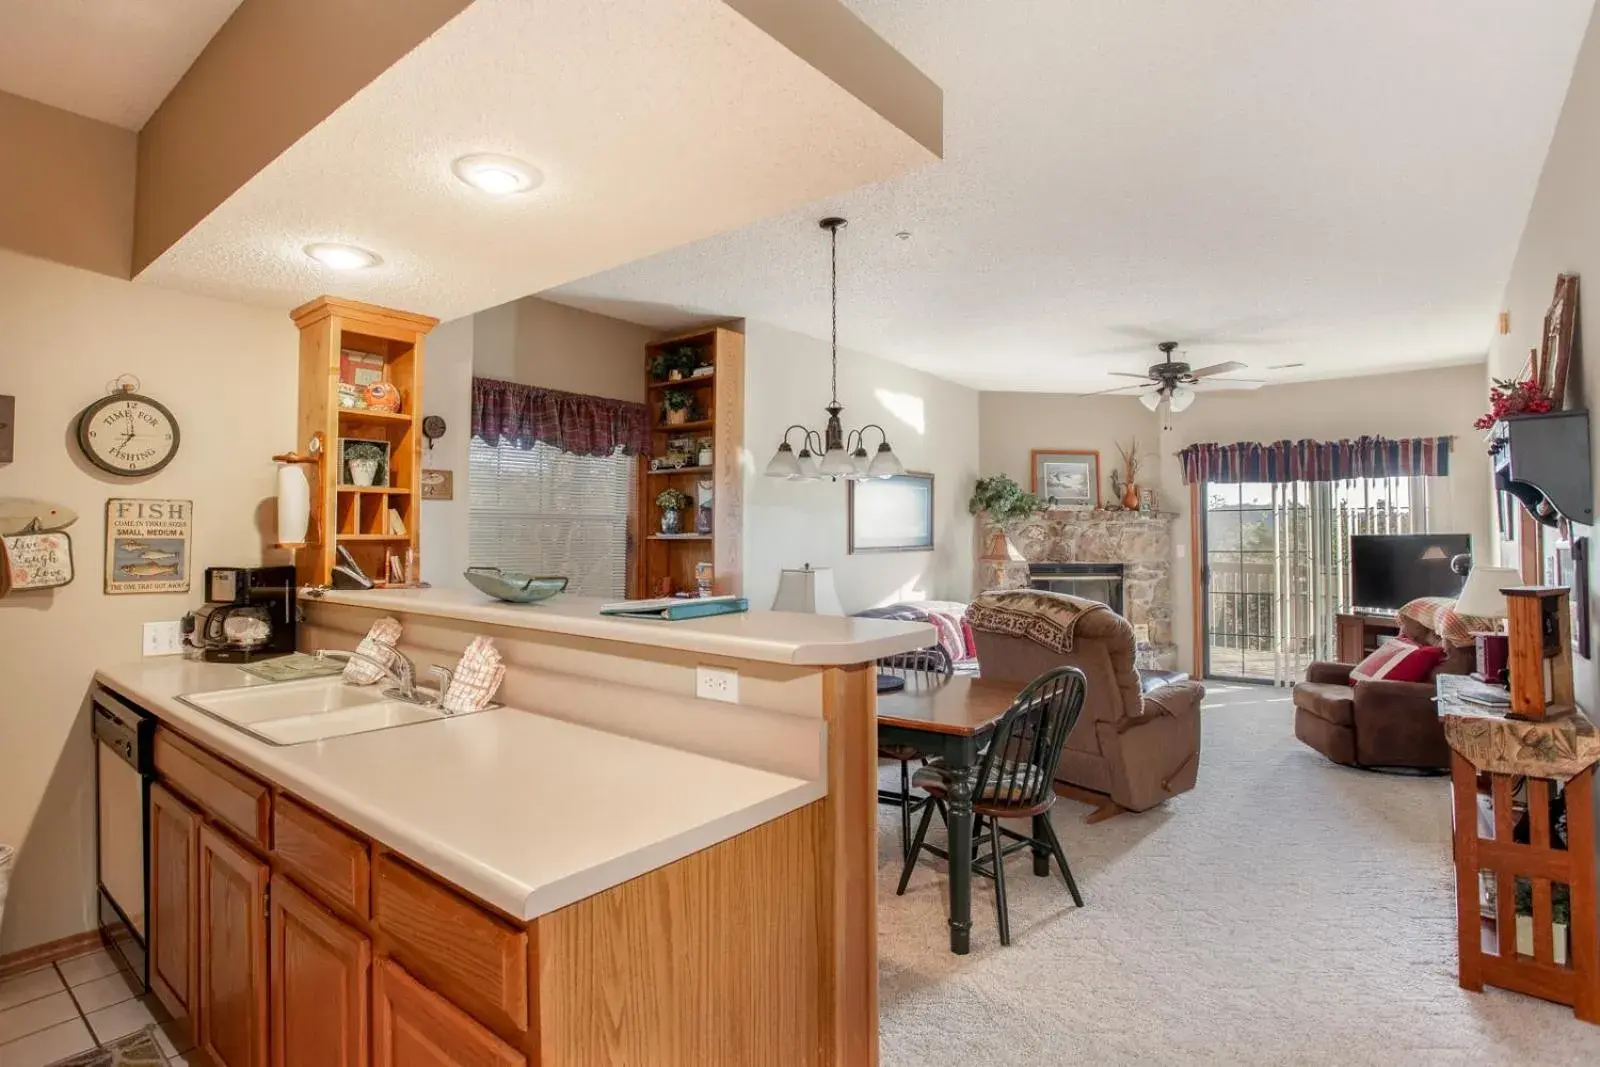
1135, 746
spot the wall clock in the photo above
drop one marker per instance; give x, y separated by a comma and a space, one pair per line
127, 434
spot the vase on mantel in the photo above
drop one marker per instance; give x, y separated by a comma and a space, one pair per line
1130, 497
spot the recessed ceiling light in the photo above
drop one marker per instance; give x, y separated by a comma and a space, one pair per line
342, 257
497, 175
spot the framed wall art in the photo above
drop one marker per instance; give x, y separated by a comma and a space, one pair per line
891, 514
438, 484
1066, 478
147, 545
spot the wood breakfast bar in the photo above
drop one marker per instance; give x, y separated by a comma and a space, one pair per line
606, 870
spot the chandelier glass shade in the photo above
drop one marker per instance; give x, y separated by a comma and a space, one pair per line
832, 453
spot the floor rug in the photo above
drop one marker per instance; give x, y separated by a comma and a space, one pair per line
135, 1050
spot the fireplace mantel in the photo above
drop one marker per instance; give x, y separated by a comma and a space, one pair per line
1141, 541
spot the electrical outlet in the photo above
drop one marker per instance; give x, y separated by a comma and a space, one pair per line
715, 683
163, 638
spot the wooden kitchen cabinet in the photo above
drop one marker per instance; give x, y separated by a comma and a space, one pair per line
174, 901
415, 1027
320, 972
231, 1002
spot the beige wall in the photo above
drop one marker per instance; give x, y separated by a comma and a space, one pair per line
66, 187
1562, 236
538, 342
933, 426
63, 334
1011, 425
447, 392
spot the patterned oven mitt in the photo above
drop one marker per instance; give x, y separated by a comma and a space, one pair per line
476, 677
379, 644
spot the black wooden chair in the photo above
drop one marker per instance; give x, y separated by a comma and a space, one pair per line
1013, 780
914, 672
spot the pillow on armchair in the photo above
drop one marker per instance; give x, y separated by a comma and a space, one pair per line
1399, 660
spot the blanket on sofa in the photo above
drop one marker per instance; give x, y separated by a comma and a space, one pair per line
1045, 618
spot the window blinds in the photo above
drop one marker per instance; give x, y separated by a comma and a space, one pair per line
544, 511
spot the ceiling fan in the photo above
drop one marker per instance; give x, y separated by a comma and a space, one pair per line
1173, 381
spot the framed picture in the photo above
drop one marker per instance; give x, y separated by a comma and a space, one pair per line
363, 462
147, 545
1149, 500
891, 514
1556, 347
438, 484
1066, 478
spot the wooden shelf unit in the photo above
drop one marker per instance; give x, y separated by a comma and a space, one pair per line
666, 563
358, 516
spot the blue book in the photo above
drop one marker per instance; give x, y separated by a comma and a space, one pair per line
673, 609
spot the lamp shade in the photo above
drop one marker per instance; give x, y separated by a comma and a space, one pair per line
809, 590
1481, 595
1151, 400
1181, 398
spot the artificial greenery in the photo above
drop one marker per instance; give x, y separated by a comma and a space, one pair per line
1560, 901
356, 451
1003, 499
682, 358
672, 500
677, 399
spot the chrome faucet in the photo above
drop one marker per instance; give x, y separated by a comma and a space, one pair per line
399, 670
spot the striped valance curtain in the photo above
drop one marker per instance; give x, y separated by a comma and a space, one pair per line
1280, 462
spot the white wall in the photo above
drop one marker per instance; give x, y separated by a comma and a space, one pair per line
537, 342
1562, 236
228, 373
933, 426
447, 391
1012, 425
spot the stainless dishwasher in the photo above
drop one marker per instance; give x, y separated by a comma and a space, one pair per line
124, 767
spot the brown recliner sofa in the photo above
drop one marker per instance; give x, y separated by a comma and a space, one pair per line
1377, 723
1137, 747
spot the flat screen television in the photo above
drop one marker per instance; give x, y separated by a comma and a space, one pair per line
1387, 571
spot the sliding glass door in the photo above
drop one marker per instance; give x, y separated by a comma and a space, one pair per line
1276, 566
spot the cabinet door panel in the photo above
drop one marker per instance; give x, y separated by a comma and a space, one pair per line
320, 969
232, 1011
174, 900
415, 1027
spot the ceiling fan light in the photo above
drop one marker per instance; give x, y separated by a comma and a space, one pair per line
1151, 400
885, 464
1181, 398
783, 463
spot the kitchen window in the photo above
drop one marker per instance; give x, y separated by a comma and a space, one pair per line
545, 511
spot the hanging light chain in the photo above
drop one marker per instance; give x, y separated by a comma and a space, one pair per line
833, 301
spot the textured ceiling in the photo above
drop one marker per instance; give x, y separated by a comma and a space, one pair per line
1340, 185
112, 60
655, 122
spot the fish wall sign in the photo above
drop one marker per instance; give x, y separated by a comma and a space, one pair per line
147, 545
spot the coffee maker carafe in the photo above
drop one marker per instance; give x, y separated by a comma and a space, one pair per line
249, 614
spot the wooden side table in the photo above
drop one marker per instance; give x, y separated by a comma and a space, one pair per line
1490, 755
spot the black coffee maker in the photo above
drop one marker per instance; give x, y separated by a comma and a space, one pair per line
249, 614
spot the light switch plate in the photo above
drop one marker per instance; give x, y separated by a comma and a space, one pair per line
163, 638
716, 683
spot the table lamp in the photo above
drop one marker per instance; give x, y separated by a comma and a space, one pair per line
1481, 597
809, 590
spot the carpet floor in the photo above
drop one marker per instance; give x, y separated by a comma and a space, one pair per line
1287, 911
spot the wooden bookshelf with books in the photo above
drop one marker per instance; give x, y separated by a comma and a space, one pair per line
695, 392
361, 391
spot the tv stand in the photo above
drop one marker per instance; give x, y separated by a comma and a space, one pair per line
1362, 631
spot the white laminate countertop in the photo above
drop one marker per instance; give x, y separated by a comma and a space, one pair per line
525, 812
764, 636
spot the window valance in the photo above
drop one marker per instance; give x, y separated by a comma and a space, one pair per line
1315, 461
523, 415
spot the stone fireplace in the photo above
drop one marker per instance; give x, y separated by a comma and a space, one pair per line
1075, 548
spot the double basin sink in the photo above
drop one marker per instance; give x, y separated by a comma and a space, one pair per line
316, 709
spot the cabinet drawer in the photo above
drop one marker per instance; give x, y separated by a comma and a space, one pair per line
323, 856
225, 793
472, 957
414, 1027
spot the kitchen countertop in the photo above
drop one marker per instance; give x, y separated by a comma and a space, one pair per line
764, 636
525, 812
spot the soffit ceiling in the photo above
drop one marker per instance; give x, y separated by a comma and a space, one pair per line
655, 122
1341, 186
112, 60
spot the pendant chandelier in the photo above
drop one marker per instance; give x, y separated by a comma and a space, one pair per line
832, 453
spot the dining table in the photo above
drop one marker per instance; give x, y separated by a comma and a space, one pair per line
951, 718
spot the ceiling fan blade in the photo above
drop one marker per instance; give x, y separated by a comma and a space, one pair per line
1219, 385
1130, 390
1125, 374
1217, 368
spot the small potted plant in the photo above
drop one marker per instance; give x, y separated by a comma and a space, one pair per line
1003, 499
1560, 916
364, 459
673, 364
672, 502
677, 403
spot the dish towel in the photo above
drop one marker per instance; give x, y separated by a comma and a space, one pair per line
379, 644
476, 677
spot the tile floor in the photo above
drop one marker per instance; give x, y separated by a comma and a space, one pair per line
72, 1005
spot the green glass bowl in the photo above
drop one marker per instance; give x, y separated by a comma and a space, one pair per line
512, 586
